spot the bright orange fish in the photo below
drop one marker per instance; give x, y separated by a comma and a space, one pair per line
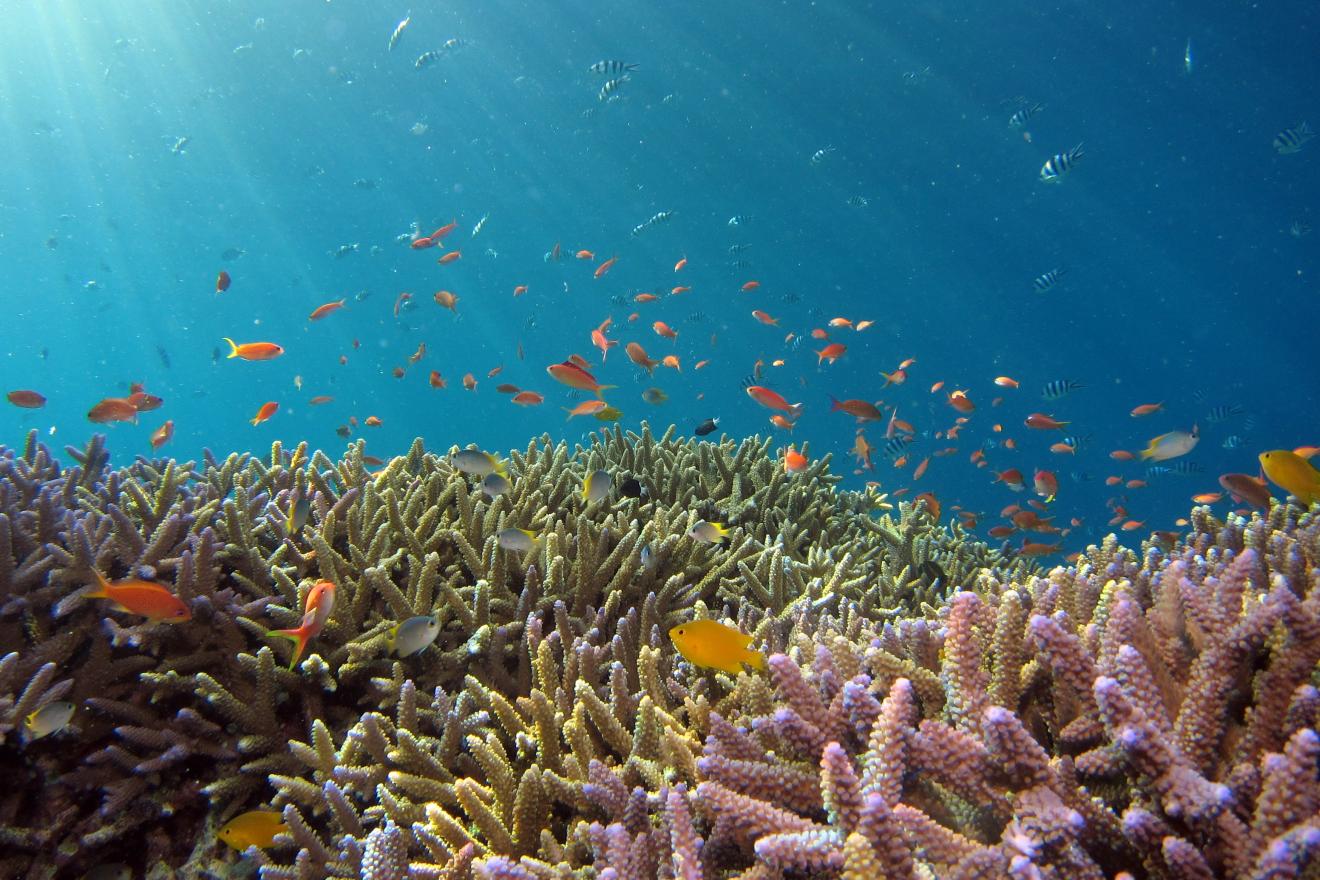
638, 356
840, 322
764, 318
253, 351
831, 353
320, 399
163, 434
222, 281
372, 421
862, 325
772, 400
494, 371
1208, 497
921, 468
446, 299
440, 233
605, 266
645, 298
418, 354
663, 329
749, 286
450, 257
700, 364
1121, 455
574, 376
520, 290
675, 291
585, 255
1005, 382
147, 598
436, 380
528, 398
678, 267
671, 361
421, 244
961, 402
782, 422
598, 339
321, 311
113, 409
585, 408
794, 461
1147, 409
1042, 422
316, 611
267, 410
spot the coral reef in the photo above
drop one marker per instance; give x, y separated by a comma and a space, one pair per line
930, 708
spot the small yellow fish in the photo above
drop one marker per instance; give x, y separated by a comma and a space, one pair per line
253, 828
715, 646
1290, 471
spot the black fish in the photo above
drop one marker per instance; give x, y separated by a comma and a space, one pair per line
706, 427
630, 488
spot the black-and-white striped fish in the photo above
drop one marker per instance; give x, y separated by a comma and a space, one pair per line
1290, 140
1233, 441
426, 59
894, 446
612, 67
1019, 119
1182, 468
738, 248
658, 217
856, 201
611, 86
398, 32
1223, 412
1060, 164
739, 219
740, 264
1043, 283
819, 156
1059, 388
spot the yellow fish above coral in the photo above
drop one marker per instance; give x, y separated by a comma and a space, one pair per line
713, 645
1293, 473
253, 828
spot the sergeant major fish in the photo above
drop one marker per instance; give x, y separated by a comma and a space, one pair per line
1060, 164
1290, 140
398, 32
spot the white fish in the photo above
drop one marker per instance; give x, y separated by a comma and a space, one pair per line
480, 223
1187, 58
475, 462
596, 486
518, 540
413, 635
50, 718
708, 532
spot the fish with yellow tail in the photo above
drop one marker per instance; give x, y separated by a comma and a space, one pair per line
316, 611
596, 486
712, 645
1291, 472
1171, 445
708, 532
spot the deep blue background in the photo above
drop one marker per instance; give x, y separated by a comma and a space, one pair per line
1182, 276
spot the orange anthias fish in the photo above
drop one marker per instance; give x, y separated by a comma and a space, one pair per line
469, 382
771, 400
316, 611
26, 399
141, 400
1245, 487
585, 254
921, 469
147, 598
794, 461
253, 351
831, 353
528, 398
1046, 485
783, 422
598, 339
663, 329
267, 410
678, 267
450, 257
440, 233
862, 410
574, 376
585, 408
862, 450
222, 281
436, 380
520, 290
163, 434
321, 311
446, 299
605, 266
1042, 422
638, 356
765, 318
961, 402
1006, 382
1146, 409
113, 409
421, 244
749, 286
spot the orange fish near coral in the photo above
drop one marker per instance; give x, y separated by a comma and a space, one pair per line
316, 611
585, 408
113, 409
267, 410
163, 434
147, 598
253, 351
794, 461
772, 400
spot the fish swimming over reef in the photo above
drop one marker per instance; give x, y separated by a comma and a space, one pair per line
1290, 471
713, 645
253, 828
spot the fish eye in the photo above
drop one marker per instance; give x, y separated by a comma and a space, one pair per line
680, 632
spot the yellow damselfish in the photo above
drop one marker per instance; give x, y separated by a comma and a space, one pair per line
1293, 473
715, 646
253, 828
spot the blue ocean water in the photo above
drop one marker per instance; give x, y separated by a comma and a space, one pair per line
150, 145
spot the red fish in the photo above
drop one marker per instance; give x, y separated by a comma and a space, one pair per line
222, 281
678, 267
26, 399
1245, 487
440, 233
574, 376
421, 244
267, 410
520, 290
316, 611
605, 266
831, 353
771, 400
862, 410
1042, 422
113, 409
163, 434
961, 402
320, 399
794, 461
321, 311
1046, 484
921, 468
1012, 478
147, 598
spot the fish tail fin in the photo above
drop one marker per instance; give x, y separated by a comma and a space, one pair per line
889, 380
755, 659
835, 404
102, 590
796, 410
298, 636
601, 389
233, 347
